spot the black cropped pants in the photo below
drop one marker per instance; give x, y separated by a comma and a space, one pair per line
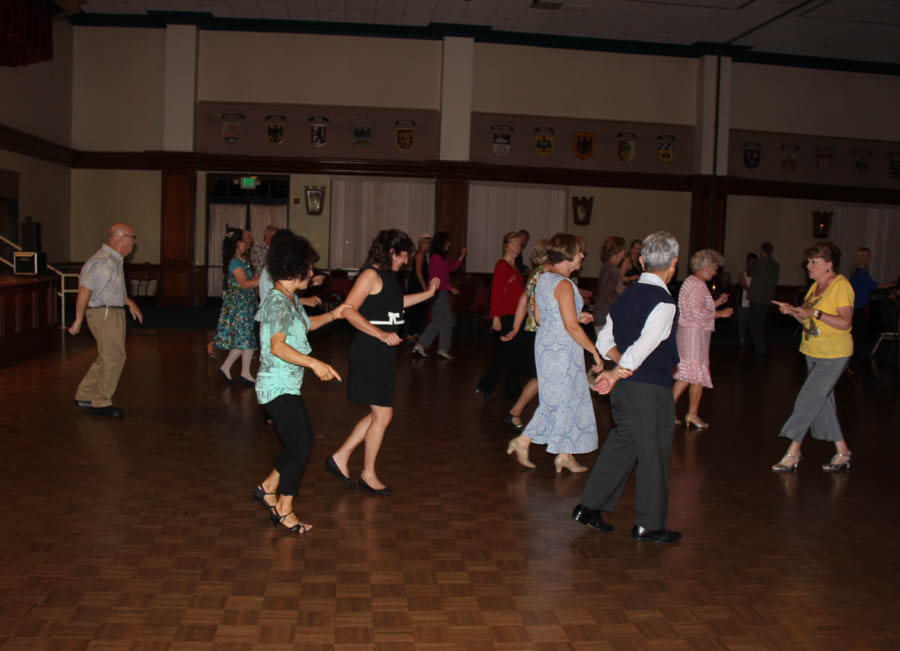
295, 431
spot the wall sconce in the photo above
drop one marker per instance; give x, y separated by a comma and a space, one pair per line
315, 199
581, 210
821, 223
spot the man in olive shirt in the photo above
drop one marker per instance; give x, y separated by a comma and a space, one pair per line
102, 301
764, 273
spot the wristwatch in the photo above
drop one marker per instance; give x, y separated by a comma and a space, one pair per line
817, 314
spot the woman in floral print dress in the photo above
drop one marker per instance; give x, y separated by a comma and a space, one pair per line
234, 332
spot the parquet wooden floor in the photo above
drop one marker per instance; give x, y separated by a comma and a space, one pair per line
140, 534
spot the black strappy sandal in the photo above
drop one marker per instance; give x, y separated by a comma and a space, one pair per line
278, 521
259, 495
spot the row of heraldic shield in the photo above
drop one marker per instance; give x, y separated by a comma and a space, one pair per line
276, 130
584, 143
825, 159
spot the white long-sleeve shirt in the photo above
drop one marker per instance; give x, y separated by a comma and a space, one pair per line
656, 329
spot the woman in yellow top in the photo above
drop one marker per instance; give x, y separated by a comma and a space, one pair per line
826, 315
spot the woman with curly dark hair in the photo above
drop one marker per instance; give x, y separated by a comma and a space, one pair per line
375, 307
283, 329
234, 331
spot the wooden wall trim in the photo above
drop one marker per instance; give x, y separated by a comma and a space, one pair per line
23, 143
20, 142
854, 194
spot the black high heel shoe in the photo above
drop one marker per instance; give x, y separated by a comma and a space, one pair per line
224, 377
278, 521
508, 419
259, 495
487, 395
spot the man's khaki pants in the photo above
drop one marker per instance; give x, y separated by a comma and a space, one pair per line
108, 327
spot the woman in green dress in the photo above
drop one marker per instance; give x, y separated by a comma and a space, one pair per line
284, 356
234, 331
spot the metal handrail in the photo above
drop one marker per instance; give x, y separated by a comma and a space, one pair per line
63, 290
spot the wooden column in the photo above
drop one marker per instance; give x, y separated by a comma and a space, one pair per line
451, 211
708, 210
176, 283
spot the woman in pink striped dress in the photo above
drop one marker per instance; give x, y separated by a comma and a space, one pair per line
697, 313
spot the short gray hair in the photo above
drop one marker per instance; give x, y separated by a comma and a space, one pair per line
658, 250
706, 258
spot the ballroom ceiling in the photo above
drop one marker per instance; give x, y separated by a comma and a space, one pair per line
854, 30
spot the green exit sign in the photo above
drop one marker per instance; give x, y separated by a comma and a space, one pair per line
248, 182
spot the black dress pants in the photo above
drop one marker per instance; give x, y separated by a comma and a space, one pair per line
294, 429
756, 324
504, 359
645, 422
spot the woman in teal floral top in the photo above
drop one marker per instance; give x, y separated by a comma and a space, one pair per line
284, 356
234, 331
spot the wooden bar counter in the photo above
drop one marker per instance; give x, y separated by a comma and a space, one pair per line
28, 306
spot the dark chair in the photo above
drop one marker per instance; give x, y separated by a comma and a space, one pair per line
335, 288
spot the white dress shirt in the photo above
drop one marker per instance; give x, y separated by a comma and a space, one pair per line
656, 329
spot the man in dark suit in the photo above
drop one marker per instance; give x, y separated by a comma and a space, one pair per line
764, 272
639, 335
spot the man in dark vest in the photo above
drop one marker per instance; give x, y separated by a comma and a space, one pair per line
639, 335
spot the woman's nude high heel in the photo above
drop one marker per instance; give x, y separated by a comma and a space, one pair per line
781, 466
521, 452
695, 421
569, 464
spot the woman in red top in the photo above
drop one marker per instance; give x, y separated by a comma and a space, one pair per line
506, 289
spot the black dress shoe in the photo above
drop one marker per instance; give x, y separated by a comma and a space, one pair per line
386, 491
223, 376
331, 467
487, 395
508, 419
84, 404
591, 518
109, 411
654, 535
244, 380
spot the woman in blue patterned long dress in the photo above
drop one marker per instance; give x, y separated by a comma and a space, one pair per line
564, 420
234, 331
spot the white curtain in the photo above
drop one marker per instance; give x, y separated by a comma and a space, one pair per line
360, 207
221, 215
496, 209
263, 215
876, 227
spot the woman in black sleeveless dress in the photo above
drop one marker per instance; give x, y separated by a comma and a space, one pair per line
375, 308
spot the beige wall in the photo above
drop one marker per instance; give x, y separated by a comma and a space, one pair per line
44, 196
102, 197
37, 99
315, 228
815, 102
787, 223
313, 69
593, 85
632, 214
117, 89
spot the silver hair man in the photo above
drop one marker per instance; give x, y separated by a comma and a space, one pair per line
658, 251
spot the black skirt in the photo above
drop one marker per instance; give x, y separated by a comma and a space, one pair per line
372, 372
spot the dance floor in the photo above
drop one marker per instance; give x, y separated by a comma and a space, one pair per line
140, 533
